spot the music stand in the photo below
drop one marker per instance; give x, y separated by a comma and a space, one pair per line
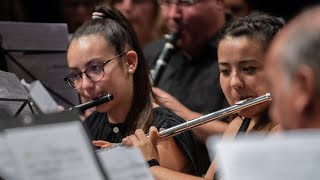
13, 96
37, 51
41, 98
45, 131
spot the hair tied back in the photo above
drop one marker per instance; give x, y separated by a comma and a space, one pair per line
97, 15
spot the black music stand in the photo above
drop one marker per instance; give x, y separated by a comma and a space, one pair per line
13, 96
37, 51
41, 98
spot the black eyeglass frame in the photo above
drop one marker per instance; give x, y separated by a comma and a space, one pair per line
71, 84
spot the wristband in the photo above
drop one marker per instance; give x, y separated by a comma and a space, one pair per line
153, 162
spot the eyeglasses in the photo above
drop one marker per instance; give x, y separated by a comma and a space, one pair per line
178, 2
95, 72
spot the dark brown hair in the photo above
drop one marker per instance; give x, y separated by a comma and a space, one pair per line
119, 34
257, 26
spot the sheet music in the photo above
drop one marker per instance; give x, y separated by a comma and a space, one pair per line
125, 163
42, 98
293, 156
11, 87
8, 168
54, 152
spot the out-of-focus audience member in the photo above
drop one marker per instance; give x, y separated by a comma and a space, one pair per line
293, 70
144, 16
192, 74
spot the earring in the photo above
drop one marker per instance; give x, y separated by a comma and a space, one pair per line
130, 71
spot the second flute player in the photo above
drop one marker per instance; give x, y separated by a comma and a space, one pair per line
241, 49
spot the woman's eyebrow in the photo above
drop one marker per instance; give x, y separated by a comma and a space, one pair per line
245, 61
87, 64
223, 64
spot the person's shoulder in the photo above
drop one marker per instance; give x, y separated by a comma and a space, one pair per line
235, 123
153, 49
164, 118
153, 46
276, 129
233, 127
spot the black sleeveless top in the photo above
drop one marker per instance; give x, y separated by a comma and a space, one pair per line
101, 129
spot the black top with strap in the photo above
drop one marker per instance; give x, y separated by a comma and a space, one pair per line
101, 129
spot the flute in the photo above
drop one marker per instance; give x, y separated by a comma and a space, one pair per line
239, 106
93, 103
175, 130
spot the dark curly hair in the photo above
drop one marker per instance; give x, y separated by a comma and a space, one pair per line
257, 25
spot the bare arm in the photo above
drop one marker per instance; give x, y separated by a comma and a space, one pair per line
149, 151
161, 173
166, 152
172, 157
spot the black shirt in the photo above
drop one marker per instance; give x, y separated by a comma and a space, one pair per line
101, 129
194, 82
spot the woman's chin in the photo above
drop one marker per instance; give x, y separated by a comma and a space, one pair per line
247, 114
251, 112
254, 110
102, 108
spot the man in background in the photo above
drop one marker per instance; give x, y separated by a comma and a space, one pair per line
293, 67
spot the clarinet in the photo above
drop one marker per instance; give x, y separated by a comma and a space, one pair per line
164, 57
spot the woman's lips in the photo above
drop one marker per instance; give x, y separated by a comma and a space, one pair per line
95, 97
242, 98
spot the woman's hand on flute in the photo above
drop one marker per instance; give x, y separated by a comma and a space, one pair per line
147, 145
102, 144
61, 108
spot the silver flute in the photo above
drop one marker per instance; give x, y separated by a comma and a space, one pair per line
239, 106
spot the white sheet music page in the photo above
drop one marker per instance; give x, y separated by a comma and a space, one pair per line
54, 152
42, 98
294, 156
8, 168
125, 163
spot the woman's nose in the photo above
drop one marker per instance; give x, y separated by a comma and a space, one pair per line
86, 82
236, 81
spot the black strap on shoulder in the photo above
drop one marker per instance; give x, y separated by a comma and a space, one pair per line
244, 126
